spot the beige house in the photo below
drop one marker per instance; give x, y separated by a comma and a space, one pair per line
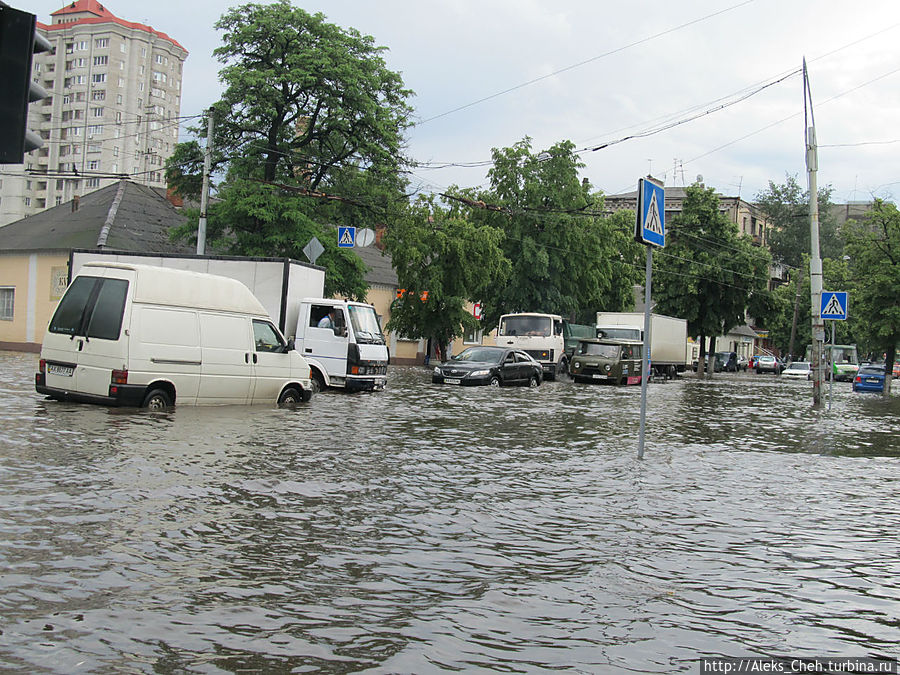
35, 251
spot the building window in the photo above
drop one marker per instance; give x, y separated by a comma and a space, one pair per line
473, 337
27, 201
101, 60
98, 77
92, 182
98, 95
97, 112
58, 201
119, 99
94, 165
7, 302
101, 43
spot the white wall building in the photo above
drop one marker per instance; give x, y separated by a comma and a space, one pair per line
113, 110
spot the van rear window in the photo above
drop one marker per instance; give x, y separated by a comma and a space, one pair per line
106, 319
92, 306
69, 315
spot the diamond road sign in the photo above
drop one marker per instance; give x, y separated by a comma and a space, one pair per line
834, 305
650, 227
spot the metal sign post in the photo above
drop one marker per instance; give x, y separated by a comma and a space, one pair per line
650, 229
833, 305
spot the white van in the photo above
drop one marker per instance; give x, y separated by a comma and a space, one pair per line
343, 343
137, 335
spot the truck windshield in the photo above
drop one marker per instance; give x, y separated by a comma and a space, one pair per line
606, 351
619, 333
365, 324
539, 326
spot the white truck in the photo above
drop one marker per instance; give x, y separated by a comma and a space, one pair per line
353, 359
343, 343
547, 338
669, 348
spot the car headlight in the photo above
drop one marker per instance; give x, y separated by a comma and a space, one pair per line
607, 367
437, 371
480, 373
576, 365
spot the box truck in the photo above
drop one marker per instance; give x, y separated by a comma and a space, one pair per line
669, 349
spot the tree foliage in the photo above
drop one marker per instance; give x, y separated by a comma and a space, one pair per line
308, 133
874, 249
708, 273
565, 259
440, 252
786, 207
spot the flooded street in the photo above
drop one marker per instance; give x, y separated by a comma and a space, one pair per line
430, 528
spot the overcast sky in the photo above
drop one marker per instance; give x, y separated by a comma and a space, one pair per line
595, 72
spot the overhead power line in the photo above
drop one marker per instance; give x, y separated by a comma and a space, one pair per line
587, 61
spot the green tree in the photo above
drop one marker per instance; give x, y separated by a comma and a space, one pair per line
708, 273
565, 259
874, 249
440, 252
786, 207
184, 170
308, 133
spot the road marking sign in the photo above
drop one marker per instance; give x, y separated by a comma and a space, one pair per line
650, 227
346, 237
834, 305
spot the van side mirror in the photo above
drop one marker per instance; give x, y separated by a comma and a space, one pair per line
291, 345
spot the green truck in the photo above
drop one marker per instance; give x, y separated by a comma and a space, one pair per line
846, 361
607, 360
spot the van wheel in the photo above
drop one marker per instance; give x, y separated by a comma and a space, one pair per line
158, 400
563, 368
290, 398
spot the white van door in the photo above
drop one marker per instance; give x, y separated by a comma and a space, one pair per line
64, 338
165, 344
226, 373
105, 345
327, 340
271, 363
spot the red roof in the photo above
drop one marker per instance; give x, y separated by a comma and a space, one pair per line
101, 15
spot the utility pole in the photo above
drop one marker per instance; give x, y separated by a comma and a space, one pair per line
815, 261
204, 194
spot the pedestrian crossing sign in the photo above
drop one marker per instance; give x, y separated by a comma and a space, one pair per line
834, 305
346, 237
651, 213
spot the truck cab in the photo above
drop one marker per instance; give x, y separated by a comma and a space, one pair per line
538, 335
343, 343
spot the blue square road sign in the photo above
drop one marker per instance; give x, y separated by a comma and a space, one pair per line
834, 305
346, 237
651, 216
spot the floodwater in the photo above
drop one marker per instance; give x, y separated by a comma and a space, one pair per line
428, 529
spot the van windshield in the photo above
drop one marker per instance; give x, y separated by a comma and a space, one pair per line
538, 326
365, 324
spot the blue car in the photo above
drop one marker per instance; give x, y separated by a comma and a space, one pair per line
869, 378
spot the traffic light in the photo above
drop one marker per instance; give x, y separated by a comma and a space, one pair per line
18, 44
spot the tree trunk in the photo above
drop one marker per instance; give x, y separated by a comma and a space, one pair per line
701, 360
796, 312
889, 368
712, 357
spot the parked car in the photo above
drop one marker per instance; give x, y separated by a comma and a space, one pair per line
768, 364
494, 366
742, 363
801, 370
727, 361
869, 378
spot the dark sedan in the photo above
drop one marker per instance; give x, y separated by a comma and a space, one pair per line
495, 366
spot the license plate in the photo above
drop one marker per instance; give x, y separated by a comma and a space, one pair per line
452, 380
872, 380
598, 377
63, 371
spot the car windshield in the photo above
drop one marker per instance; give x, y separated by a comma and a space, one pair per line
539, 326
479, 355
871, 370
767, 359
594, 349
365, 324
800, 365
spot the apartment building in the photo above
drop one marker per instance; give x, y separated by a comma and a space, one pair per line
113, 110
